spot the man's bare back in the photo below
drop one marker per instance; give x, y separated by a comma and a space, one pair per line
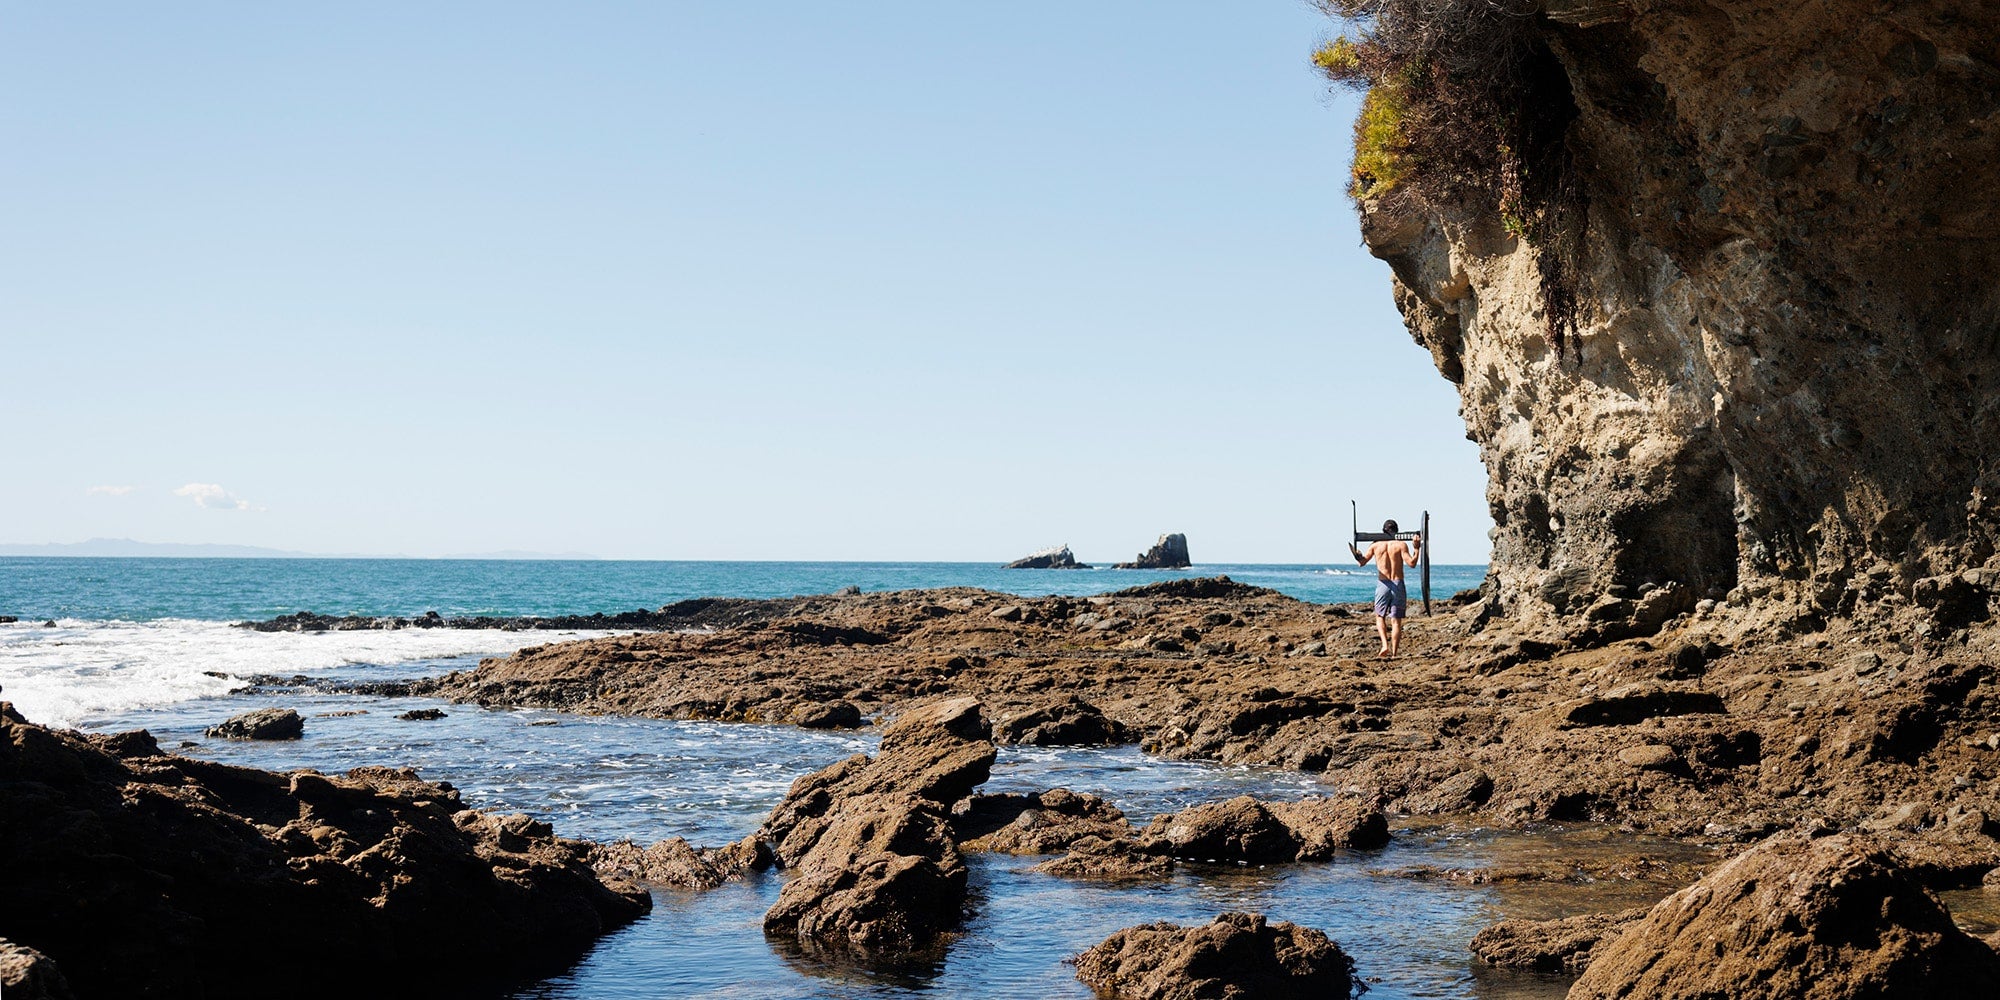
1390, 558
1392, 596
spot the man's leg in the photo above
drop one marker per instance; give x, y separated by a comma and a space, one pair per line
1382, 629
1395, 636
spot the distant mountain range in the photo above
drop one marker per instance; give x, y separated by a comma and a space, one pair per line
126, 548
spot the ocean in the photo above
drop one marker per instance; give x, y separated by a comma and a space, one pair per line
143, 633
147, 643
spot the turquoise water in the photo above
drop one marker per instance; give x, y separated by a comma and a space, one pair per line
232, 589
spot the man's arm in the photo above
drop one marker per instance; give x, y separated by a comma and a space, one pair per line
1415, 547
1359, 558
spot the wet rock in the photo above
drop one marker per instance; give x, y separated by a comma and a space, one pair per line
677, 863
164, 866
8, 619
27, 974
1170, 552
1072, 722
1248, 830
1238, 956
877, 872
421, 715
1462, 792
1058, 557
1035, 824
1324, 825
262, 724
1791, 918
939, 753
1110, 860
1564, 945
883, 878
826, 715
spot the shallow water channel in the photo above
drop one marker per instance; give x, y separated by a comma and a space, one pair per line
605, 778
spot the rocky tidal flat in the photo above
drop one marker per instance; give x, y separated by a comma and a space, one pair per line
1637, 765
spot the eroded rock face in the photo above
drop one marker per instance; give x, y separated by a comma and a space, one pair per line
141, 873
876, 870
1790, 919
1789, 331
1238, 956
1250, 830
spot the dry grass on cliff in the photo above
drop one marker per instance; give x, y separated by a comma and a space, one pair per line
1467, 106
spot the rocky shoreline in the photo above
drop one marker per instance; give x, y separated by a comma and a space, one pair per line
135, 872
1703, 730
1717, 729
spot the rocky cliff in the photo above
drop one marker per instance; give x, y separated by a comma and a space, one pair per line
1779, 392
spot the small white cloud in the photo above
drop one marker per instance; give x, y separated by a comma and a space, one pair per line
213, 497
109, 491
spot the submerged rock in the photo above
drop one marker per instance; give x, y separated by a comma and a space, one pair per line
262, 724
1059, 557
145, 874
1238, 956
1793, 919
1170, 552
1108, 859
1564, 945
1249, 830
1035, 824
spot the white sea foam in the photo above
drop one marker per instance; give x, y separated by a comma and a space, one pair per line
82, 670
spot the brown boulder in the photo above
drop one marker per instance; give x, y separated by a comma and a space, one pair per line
262, 724
1564, 945
1249, 830
882, 877
939, 752
1324, 825
1035, 824
1236, 957
1073, 722
876, 868
143, 874
1791, 919
1109, 860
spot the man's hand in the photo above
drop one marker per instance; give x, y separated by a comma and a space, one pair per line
1359, 559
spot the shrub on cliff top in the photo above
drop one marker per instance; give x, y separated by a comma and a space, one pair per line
1467, 106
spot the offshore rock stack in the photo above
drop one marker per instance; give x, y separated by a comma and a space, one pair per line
1056, 557
1170, 552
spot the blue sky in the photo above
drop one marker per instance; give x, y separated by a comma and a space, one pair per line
701, 280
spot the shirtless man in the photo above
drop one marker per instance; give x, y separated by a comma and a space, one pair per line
1392, 593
